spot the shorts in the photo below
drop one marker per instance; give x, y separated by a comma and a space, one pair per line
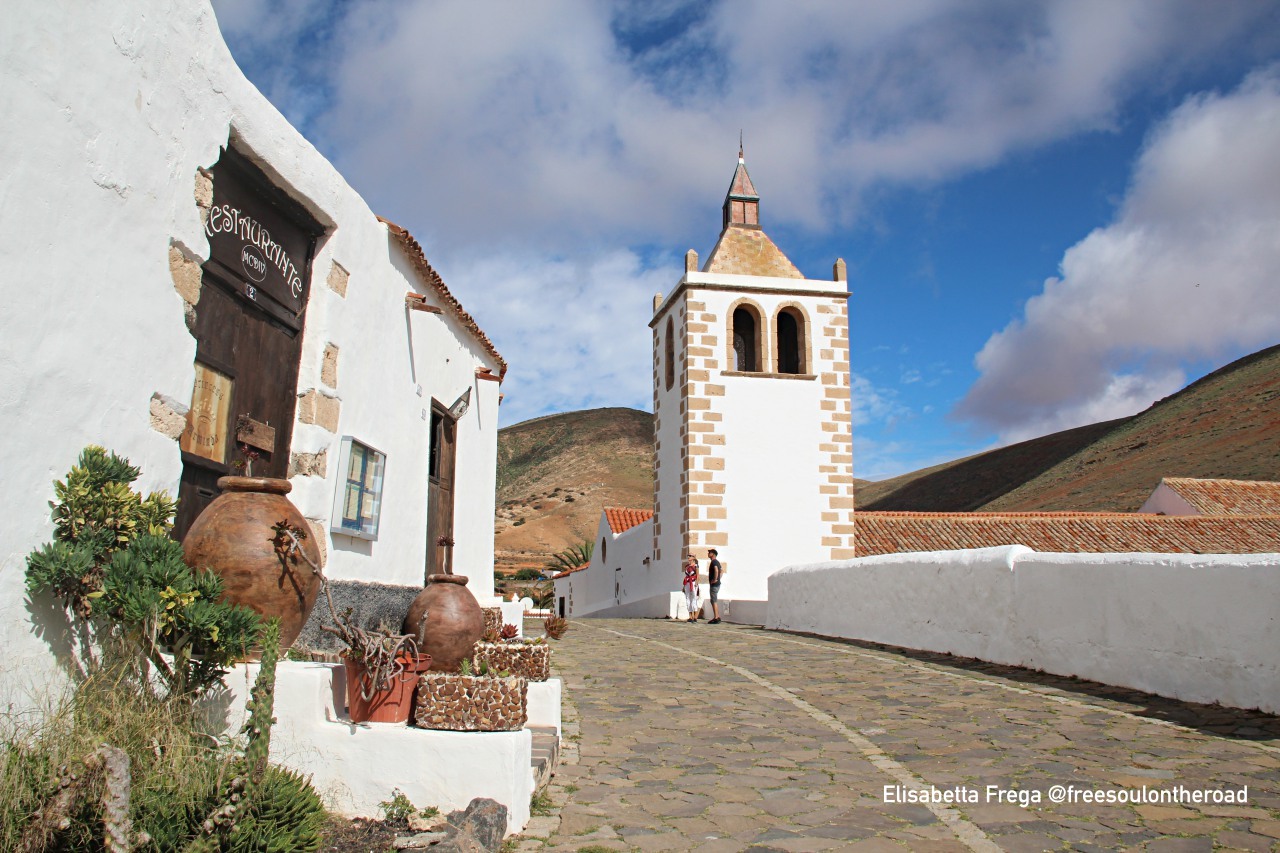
715, 593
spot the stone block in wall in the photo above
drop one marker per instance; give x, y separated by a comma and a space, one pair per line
329, 366
319, 409
204, 192
168, 416
337, 279
309, 464
186, 273
492, 619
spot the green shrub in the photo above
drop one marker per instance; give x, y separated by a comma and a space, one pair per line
113, 567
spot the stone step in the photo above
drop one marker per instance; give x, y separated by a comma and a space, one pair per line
545, 755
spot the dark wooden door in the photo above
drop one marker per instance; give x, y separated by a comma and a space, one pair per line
261, 357
248, 331
440, 492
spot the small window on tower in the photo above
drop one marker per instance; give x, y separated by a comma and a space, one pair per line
669, 354
746, 342
791, 342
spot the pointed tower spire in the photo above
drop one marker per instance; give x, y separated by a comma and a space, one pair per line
742, 204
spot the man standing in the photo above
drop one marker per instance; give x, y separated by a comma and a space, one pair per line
714, 572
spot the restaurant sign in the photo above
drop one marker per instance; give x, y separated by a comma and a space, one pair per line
259, 238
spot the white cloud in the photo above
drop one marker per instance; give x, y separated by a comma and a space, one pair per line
1185, 273
574, 332
555, 124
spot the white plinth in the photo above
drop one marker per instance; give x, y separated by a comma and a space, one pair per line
544, 704
356, 767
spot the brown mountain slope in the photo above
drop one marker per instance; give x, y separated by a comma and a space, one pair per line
1224, 425
556, 474
968, 484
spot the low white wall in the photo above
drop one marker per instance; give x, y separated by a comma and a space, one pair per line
1202, 628
356, 767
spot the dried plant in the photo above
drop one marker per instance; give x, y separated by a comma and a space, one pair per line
384, 652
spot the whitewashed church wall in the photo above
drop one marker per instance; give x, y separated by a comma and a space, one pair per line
1165, 501
668, 542
111, 111
1201, 628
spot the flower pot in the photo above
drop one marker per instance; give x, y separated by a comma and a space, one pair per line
384, 706
531, 660
471, 703
234, 537
446, 621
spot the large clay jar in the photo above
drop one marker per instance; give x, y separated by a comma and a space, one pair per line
446, 620
234, 537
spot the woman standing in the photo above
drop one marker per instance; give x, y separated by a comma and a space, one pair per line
691, 586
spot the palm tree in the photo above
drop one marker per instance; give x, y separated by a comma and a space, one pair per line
571, 558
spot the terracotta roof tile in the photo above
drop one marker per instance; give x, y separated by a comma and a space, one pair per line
1070, 532
621, 519
1228, 497
433, 280
568, 572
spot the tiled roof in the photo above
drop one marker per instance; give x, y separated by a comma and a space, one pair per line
741, 186
749, 251
432, 279
622, 519
1228, 497
568, 572
1070, 532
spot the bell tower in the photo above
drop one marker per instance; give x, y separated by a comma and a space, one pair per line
752, 416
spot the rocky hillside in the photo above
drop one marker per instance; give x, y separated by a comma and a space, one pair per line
555, 475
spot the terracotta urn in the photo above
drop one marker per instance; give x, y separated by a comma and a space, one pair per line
234, 537
446, 620
393, 705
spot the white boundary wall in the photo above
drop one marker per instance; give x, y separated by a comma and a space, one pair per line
1202, 628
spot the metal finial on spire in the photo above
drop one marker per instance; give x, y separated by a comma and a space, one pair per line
740, 158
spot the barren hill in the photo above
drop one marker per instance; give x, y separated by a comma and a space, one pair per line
1226, 424
556, 473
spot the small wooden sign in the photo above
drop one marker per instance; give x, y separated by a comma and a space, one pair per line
256, 434
206, 432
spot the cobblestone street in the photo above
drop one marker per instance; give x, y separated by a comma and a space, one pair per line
723, 737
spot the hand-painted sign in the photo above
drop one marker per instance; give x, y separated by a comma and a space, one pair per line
259, 238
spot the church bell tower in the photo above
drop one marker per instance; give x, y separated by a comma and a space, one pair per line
753, 446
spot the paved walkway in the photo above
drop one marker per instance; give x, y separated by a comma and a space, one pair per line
722, 737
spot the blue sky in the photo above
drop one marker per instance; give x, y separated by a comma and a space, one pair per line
1053, 213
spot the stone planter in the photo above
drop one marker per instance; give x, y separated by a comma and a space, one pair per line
234, 538
471, 703
492, 619
532, 660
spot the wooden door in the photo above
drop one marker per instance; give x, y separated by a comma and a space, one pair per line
248, 331
440, 492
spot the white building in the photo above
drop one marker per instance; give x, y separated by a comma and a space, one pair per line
176, 257
621, 570
753, 445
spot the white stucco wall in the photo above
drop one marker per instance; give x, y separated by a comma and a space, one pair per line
1202, 628
621, 572
110, 111
1165, 501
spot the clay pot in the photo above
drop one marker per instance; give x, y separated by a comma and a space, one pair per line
385, 706
446, 620
233, 537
